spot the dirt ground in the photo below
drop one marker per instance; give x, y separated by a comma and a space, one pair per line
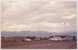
41, 44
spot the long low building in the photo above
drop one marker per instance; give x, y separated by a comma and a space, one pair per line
61, 38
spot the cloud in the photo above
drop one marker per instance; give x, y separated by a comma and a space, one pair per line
39, 15
69, 17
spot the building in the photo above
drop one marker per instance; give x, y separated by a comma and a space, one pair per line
55, 38
60, 37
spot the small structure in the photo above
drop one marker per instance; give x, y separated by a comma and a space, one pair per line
37, 38
27, 39
55, 38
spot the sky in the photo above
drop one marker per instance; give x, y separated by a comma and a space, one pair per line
38, 15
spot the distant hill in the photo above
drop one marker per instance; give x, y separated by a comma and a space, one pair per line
37, 34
